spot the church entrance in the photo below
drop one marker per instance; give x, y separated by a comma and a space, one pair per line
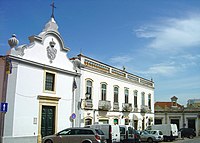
48, 120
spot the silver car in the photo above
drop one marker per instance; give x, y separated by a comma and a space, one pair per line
76, 135
157, 133
146, 137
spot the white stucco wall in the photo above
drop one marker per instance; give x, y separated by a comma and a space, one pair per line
111, 82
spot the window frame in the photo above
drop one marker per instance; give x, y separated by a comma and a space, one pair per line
143, 99
116, 94
149, 100
45, 81
135, 98
126, 95
88, 88
103, 91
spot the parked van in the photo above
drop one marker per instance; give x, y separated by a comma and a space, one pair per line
128, 134
111, 132
170, 131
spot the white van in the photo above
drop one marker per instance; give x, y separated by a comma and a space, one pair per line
111, 132
115, 133
170, 131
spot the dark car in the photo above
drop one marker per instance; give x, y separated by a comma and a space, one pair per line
187, 132
76, 135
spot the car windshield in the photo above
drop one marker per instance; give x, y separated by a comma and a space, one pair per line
145, 132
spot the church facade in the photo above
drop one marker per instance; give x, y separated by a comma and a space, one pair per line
38, 87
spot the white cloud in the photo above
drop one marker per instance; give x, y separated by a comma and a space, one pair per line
161, 69
121, 59
172, 34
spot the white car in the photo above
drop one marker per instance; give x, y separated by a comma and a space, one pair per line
157, 133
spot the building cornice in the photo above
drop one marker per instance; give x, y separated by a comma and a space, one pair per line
43, 65
99, 67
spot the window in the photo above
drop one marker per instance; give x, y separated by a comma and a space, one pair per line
103, 121
149, 101
50, 81
143, 98
126, 95
126, 121
116, 92
103, 91
135, 98
88, 122
84, 132
89, 89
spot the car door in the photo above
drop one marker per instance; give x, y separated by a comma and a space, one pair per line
143, 136
85, 134
70, 136
65, 135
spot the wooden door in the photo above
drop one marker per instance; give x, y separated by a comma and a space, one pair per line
48, 120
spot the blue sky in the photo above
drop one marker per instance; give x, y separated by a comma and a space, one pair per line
157, 39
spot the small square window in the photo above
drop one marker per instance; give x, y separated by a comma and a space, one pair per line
49, 81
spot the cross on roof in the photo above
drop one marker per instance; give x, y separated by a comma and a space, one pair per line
53, 7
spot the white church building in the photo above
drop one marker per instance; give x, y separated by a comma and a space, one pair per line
42, 91
37, 87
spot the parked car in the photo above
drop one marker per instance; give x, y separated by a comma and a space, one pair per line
76, 135
157, 133
170, 131
146, 137
128, 134
111, 132
187, 132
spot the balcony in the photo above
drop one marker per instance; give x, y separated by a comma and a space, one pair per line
115, 106
144, 109
104, 105
127, 107
87, 104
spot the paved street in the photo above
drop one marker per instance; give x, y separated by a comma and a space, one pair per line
186, 140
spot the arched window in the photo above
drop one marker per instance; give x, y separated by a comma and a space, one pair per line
143, 98
126, 95
149, 101
116, 92
135, 98
103, 91
88, 89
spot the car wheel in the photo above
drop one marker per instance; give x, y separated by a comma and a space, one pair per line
48, 141
150, 140
191, 137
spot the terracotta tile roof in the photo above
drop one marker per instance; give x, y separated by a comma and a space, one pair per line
165, 104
